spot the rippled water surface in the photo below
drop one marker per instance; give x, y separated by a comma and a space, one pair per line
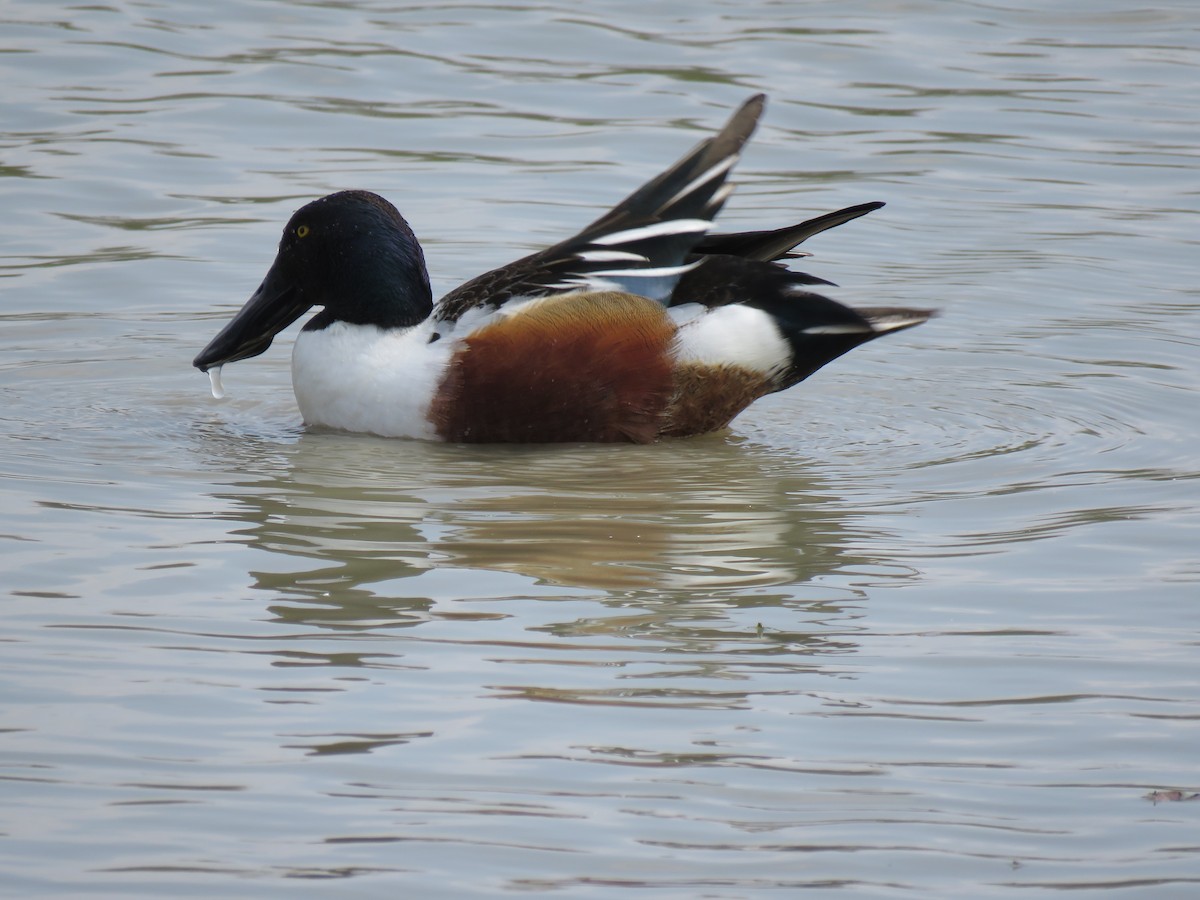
928, 624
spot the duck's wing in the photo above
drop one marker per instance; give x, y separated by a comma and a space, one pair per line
641, 246
780, 243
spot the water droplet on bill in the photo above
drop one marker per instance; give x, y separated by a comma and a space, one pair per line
214, 379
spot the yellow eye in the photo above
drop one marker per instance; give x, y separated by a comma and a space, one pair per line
302, 231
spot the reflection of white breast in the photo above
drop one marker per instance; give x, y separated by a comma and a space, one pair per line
365, 378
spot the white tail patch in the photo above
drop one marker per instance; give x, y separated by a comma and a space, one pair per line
899, 319
846, 328
731, 335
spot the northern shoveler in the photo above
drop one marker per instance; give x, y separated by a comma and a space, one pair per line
641, 326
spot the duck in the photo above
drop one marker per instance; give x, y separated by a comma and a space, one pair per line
642, 326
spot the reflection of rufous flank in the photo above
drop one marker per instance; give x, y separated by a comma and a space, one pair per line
355, 518
641, 536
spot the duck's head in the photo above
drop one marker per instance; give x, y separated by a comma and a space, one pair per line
350, 252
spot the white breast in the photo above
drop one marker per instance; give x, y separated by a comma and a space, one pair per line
367, 379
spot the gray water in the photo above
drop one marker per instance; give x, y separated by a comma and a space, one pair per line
926, 625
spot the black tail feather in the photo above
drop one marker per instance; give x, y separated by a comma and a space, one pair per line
779, 243
676, 193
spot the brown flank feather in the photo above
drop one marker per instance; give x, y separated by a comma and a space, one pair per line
708, 397
582, 367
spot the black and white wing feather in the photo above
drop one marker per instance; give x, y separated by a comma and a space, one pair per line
641, 246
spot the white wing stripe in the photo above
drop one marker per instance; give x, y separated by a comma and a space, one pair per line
715, 172
660, 272
720, 195
658, 229
610, 256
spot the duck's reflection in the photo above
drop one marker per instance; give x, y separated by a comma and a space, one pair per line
377, 531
